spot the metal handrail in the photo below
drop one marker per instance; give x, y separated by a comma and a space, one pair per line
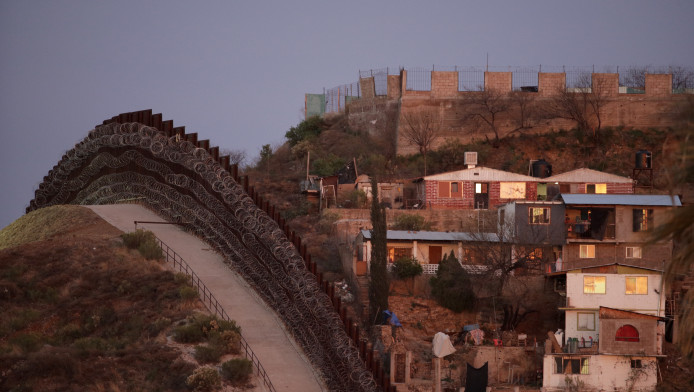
213, 305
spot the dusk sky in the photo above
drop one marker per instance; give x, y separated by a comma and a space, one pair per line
236, 72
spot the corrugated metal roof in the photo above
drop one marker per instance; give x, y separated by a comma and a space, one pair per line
441, 236
621, 200
480, 173
588, 175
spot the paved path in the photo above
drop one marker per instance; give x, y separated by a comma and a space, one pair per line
287, 367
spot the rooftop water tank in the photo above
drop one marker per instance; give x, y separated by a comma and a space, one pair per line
643, 159
540, 169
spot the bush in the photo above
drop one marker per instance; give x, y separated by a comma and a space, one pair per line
357, 199
451, 287
188, 293
327, 219
90, 344
208, 354
407, 267
307, 129
237, 370
145, 242
201, 327
229, 341
204, 379
410, 222
28, 342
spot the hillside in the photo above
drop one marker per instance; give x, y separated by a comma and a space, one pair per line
80, 311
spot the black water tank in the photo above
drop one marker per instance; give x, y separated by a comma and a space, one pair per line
541, 169
643, 159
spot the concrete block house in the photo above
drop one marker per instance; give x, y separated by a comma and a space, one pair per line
612, 278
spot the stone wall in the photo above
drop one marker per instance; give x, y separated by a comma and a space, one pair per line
655, 108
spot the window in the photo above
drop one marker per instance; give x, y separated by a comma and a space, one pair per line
512, 190
596, 188
444, 189
587, 252
586, 321
571, 365
399, 253
481, 187
454, 187
636, 364
541, 191
538, 215
594, 285
633, 252
636, 285
627, 333
643, 220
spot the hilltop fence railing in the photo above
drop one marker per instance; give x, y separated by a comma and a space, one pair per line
214, 306
471, 78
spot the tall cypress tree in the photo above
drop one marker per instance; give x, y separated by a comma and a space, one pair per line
378, 284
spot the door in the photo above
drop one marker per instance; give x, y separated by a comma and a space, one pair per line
434, 254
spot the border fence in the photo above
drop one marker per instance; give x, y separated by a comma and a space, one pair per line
524, 78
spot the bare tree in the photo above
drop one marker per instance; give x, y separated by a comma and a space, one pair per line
501, 258
488, 108
236, 157
582, 104
421, 129
485, 108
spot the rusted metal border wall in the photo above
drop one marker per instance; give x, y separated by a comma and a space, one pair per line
139, 155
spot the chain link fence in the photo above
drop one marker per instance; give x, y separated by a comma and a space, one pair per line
524, 78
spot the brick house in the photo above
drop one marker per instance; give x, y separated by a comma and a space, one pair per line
584, 181
474, 188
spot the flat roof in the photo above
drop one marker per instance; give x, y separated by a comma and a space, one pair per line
621, 200
443, 236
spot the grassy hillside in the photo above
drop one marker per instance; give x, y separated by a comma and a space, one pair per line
80, 311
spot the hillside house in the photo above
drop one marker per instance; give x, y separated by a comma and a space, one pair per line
583, 181
615, 296
427, 247
536, 230
607, 229
477, 188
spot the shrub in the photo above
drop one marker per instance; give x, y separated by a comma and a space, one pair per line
451, 286
237, 370
307, 129
410, 222
357, 199
189, 333
407, 267
327, 219
28, 342
204, 379
91, 344
202, 327
188, 293
209, 353
229, 341
145, 242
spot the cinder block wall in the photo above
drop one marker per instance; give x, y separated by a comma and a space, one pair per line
656, 108
647, 337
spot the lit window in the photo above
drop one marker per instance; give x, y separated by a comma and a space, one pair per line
596, 188
538, 215
586, 321
636, 285
643, 220
594, 285
481, 187
633, 252
571, 365
627, 333
512, 190
587, 252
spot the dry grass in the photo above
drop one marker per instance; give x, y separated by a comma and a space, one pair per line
82, 312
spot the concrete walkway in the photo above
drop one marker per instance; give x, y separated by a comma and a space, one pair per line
287, 367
